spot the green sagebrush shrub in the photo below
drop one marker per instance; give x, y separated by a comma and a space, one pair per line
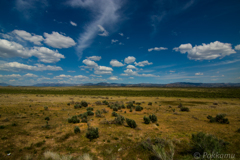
74, 119
76, 106
146, 120
130, 105
202, 142
89, 109
119, 119
77, 130
220, 118
90, 113
47, 118
138, 108
114, 114
115, 108
131, 123
149, 103
105, 102
184, 109
84, 103
153, 118
92, 133
98, 113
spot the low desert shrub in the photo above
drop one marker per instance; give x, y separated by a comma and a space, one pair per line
130, 105
149, 103
180, 105
138, 108
47, 118
184, 109
153, 118
77, 130
76, 106
74, 119
84, 103
205, 143
45, 108
92, 133
89, 109
220, 118
130, 110
114, 114
90, 113
119, 119
98, 103
115, 108
104, 110
146, 120
98, 113
161, 148
131, 123
105, 102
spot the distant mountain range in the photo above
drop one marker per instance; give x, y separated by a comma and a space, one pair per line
177, 84
104, 84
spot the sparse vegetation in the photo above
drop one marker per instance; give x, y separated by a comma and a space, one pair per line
114, 114
74, 119
153, 118
202, 142
119, 119
92, 133
220, 118
77, 130
84, 103
131, 123
138, 108
98, 113
149, 103
146, 120
184, 109
45, 108
47, 118
89, 109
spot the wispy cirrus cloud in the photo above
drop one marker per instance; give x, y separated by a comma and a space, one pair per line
105, 13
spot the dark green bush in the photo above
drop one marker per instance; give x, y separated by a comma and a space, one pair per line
146, 120
84, 103
84, 120
104, 110
122, 106
220, 118
130, 110
184, 109
89, 109
180, 105
238, 130
90, 113
149, 103
114, 114
131, 123
138, 108
92, 133
77, 130
98, 103
84, 115
74, 119
47, 118
130, 105
45, 108
2, 127
68, 104
153, 118
98, 113
115, 109
105, 102
204, 143
14, 124
76, 106
119, 119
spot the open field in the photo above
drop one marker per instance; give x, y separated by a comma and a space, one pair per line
24, 132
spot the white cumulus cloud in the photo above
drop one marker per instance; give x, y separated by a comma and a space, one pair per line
57, 40
116, 63
131, 67
129, 59
143, 63
206, 51
113, 78
10, 49
237, 47
130, 72
90, 63
95, 58
36, 39
198, 74
73, 23
16, 66
114, 41
121, 34
157, 49
30, 75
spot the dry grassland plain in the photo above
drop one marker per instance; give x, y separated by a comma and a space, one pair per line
24, 134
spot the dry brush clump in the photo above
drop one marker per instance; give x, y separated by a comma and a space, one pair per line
220, 118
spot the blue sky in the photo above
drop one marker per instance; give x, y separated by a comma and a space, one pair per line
119, 41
